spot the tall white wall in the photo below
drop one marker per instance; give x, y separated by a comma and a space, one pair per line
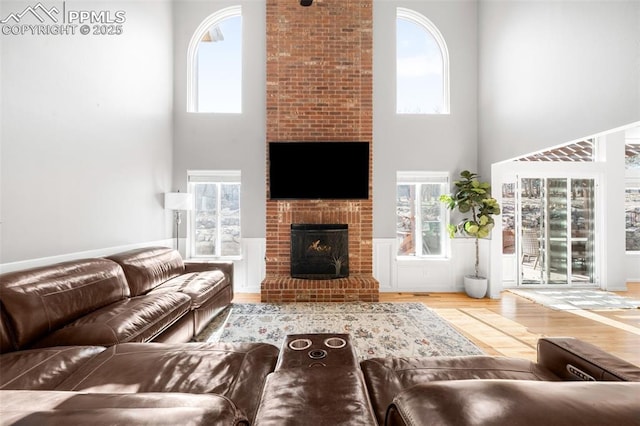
422, 142
554, 71
206, 141
86, 126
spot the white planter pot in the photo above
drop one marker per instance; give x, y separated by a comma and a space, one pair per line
475, 287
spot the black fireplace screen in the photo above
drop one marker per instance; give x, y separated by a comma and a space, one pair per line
319, 251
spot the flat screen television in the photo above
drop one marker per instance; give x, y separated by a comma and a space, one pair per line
318, 170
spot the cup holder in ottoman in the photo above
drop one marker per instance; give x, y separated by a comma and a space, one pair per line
300, 344
307, 350
335, 342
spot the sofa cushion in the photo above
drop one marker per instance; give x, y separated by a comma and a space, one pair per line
147, 267
71, 408
236, 371
137, 319
386, 377
43, 368
40, 300
516, 402
200, 286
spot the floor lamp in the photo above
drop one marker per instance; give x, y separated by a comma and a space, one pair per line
178, 202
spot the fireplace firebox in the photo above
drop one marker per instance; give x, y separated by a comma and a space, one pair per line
319, 251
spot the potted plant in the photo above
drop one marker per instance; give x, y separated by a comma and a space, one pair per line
474, 197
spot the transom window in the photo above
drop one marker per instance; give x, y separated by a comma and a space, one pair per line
422, 65
215, 64
215, 222
420, 216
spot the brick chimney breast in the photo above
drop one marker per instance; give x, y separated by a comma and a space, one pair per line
320, 88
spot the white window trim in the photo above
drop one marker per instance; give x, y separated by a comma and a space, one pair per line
195, 176
427, 177
418, 18
192, 51
632, 180
210, 176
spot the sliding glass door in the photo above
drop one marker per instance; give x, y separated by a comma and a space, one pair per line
555, 228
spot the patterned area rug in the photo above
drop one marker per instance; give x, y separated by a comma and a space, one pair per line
376, 329
577, 299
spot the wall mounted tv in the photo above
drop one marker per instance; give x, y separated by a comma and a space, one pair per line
318, 170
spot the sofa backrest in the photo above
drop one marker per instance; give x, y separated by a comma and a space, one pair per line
40, 300
148, 267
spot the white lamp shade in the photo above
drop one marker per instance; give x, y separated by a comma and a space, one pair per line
178, 201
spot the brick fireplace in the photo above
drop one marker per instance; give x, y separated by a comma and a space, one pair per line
319, 88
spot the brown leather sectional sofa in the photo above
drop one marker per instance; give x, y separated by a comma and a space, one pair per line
141, 295
103, 342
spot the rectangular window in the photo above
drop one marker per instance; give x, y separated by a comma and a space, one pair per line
420, 216
632, 196
215, 222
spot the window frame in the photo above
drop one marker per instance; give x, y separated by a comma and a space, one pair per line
213, 177
192, 55
632, 181
421, 20
420, 178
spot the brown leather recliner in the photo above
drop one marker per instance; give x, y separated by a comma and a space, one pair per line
403, 391
232, 375
500, 402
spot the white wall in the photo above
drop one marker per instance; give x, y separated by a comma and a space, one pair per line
554, 71
227, 141
422, 142
206, 141
86, 131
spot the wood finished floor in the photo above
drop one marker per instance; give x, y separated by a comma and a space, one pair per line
511, 325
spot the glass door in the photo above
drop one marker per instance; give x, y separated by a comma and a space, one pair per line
582, 250
556, 231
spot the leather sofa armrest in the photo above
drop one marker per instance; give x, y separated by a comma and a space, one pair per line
515, 402
224, 266
573, 359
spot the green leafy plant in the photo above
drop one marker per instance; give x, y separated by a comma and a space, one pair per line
472, 196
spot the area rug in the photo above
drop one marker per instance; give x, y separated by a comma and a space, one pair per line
571, 299
376, 329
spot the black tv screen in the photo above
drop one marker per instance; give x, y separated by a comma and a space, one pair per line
318, 170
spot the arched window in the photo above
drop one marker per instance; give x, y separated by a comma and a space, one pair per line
422, 65
214, 64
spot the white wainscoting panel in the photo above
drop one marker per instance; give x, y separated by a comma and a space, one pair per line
249, 271
384, 263
426, 275
509, 271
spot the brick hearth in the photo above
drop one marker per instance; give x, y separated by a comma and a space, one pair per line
319, 88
